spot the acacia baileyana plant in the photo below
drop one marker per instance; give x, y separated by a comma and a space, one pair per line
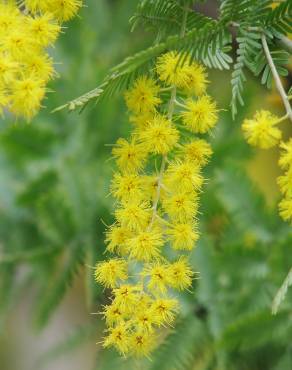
157, 188
27, 29
158, 177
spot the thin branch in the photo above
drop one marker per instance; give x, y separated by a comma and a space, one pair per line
285, 43
169, 115
280, 296
276, 76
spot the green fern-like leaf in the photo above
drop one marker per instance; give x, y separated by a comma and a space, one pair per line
279, 20
281, 294
244, 202
161, 14
180, 348
203, 45
248, 47
260, 66
255, 330
233, 10
57, 285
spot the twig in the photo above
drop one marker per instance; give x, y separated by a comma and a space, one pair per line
279, 297
285, 43
276, 76
169, 115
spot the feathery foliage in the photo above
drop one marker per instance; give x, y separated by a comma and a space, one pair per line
55, 181
206, 40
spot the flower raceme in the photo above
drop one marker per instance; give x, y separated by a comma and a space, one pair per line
156, 186
262, 132
26, 33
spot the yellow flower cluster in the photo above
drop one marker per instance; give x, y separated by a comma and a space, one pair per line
285, 181
26, 33
156, 222
261, 131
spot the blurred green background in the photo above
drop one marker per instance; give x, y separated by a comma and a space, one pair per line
55, 175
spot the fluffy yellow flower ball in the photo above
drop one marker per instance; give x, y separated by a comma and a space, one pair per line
261, 131
143, 96
111, 272
200, 115
285, 209
160, 136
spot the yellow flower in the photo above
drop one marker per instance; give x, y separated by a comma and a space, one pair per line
125, 187
44, 30
149, 186
200, 115
141, 121
285, 183
142, 343
144, 320
143, 96
35, 6
116, 238
130, 156
8, 69
158, 277
183, 177
144, 302
119, 338
181, 207
164, 310
198, 151
64, 10
261, 131
180, 274
196, 82
183, 236
113, 314
135, 215
285, 160
126, 297
159, 136
40, 67
26, 97
9, 18
4, 100
146, 245
285, 209
170, 71
109, 273
18, 42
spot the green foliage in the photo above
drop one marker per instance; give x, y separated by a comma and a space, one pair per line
55, 179
181, 347
206, 40
279, 19
260, 66
248, 48
282, 292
